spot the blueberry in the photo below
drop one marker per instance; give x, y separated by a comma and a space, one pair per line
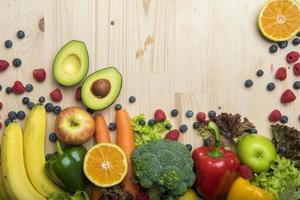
174, 112
112, 126
271, 86
273, 48
48, 156
90, 111
207, 142
296, 41
196, 125
151, 122
42, 99
252, 130
296, 85
118, 106
189, 114
25, 100
30, 105
248, 83
284, 119
8, 44
168, 126
212, 114
20, 34
259, 73
189, 147
28, 87
282, 149
52, 137
8, 90
283, 44
142, 122
57, 109
7, 121
49, 107
183, 128
17, 62
132, 99
21, 115
12, 115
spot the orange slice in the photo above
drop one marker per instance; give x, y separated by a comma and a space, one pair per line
279, 20
105, 165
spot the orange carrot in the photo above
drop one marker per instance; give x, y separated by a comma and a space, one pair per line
125, 139
101, 130
101, 136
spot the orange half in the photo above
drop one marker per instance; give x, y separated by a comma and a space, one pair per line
105, 165
279, 20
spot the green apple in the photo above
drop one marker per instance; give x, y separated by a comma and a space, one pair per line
257, 152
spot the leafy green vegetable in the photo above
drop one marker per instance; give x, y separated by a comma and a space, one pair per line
145, 133
114, 193
165, 168
283, 180
79, 195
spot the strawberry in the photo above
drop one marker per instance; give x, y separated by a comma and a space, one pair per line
287, 96
292, 57
39, 74
281, 74
296, 69
172, 135
78, 94
56, 95
201, 116
246, 172
18, 87
275, 116
3, 65
159, 115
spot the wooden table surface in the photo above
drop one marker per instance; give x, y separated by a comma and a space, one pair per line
185, 54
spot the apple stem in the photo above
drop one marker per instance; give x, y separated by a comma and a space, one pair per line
216, 152
58, 148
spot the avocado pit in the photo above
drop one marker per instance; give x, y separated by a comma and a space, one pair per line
101, 88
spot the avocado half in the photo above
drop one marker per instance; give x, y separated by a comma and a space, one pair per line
71, 63
101, 88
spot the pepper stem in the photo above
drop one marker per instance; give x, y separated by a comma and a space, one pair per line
58, 148
216, 152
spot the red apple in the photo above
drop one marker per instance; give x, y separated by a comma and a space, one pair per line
74, 125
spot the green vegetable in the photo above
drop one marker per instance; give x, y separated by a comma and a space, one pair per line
114, 193
283, 180
79, 195
65, 168
165, 168
146, 133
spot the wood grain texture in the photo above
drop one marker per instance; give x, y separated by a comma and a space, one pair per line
189, 54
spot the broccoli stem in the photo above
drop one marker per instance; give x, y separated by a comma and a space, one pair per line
216, 152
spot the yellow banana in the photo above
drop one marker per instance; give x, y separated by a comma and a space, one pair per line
14, 174
34, 151
3, 193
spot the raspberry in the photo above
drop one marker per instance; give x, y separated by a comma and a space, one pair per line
3, 65
39, 74
159, 115
287, 96
296, 69
18, 87
143, 196
172, 135
56, 95
275, 116
78, 94
293, 56
281, 74
246, 172
201, 116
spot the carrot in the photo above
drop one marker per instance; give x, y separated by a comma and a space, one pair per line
101, 131
125, 139
101, 136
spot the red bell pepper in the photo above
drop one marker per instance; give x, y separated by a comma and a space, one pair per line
216, 168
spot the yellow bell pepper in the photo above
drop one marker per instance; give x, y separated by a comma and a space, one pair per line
242, 189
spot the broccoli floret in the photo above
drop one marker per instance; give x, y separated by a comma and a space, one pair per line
164, 167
